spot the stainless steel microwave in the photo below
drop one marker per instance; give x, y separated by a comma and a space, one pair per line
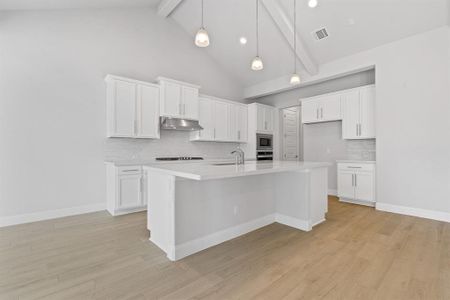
264, 141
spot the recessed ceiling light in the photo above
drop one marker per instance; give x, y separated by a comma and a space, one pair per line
243, 40
312, 3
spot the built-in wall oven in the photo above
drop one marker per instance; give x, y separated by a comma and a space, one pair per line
264, 146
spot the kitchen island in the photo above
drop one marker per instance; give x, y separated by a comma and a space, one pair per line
193, 206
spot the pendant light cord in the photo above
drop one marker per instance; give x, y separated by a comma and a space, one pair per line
257, 28
202, 14
295, 36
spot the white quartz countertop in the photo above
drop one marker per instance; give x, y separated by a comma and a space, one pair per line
357, 161
217, 170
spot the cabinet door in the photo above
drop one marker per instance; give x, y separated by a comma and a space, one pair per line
260, 118
269, 119
170, 99
190, 102
330, 108
124, 103
345, 185
310, 111
130, 192
367, 112
206, 119
350, 121
221, 119
242, 121
234, 122
364, 186
148, 112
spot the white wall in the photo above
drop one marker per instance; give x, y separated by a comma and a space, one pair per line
52, 97
412, 115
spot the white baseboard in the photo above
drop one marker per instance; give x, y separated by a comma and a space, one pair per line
50, 214
202, 243
415, 212
293, 222
359, 202
332, 192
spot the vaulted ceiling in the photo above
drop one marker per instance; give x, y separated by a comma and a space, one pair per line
353, 26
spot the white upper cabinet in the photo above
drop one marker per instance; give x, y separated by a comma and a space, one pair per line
132, 108
206, 120
359, 113
222, 121
265, 116
321, 109
355, 107
178, 99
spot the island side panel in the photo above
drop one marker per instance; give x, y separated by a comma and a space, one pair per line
301, 198
213, 211
161, 210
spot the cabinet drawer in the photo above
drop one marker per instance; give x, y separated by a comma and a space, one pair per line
356, 167
129, 170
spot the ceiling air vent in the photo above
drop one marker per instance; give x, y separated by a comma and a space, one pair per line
320, 34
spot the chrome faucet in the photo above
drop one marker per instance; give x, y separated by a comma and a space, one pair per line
240, 156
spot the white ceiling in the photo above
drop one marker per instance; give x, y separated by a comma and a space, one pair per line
376, 22
73, 4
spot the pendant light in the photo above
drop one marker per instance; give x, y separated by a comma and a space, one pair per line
257, 63
202, 37
295, 79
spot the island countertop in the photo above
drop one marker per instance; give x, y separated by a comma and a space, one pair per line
211, 170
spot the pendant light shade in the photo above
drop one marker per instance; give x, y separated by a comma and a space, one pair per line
202, 37
295, 78
257, 63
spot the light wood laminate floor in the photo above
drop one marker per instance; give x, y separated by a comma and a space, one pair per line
359, 253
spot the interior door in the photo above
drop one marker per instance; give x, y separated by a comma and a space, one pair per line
367, 112
290, 134
171, 104
125, 109
351, 115
309, 111
345, 185
364, 187
221, 119
130, 194
190, 102
330, 108
148, 111
206, 118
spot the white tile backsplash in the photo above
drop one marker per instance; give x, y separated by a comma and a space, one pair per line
171, 143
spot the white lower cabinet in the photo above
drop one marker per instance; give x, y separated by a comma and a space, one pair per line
126, 190
356, 183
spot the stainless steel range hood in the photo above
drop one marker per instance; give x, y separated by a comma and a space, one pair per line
179, 124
